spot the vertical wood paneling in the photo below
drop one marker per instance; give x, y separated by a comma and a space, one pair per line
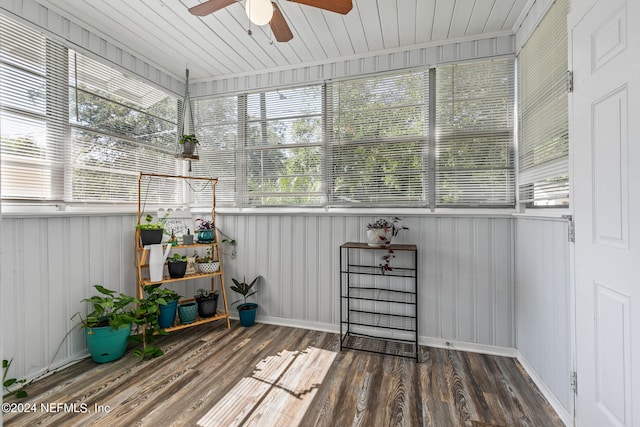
465, 274
543, 302
48, 265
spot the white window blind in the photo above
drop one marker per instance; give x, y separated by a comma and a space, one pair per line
120, 126
217, 128
378, 144
280, 162
33, 114
474, 134
543, 100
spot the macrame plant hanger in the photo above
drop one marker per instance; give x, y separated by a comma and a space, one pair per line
187, 144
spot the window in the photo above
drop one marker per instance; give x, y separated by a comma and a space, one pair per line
73, 129
383, 140
33, 113
474, 135
119, 127
218, 130
543, 100
378, 143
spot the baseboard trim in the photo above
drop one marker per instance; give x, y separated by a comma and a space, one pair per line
468, 346
562, 412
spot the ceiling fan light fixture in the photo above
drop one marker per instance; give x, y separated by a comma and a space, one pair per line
259, 12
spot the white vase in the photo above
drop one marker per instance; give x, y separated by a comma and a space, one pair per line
379, 237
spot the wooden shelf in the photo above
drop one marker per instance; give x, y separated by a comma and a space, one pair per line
216, 278
199, 321
168, 279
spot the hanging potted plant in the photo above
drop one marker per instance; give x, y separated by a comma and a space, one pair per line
246, 310
207, 301
108, 326
205, 230
188, 143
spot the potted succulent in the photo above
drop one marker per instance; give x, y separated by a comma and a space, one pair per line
108, 325
151, 232
177, 266
187, 239
206, 263
205, 230
188, 143
246, 310
207, 301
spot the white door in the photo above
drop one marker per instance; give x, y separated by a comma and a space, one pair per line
605, 145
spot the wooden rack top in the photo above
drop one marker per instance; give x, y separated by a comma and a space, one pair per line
362, 245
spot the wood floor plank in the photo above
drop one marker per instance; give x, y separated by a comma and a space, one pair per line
287, 376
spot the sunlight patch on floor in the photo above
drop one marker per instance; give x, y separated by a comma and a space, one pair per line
278, 393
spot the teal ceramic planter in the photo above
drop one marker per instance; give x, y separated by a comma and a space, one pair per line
107, 344
205, 236
188, 312
167, 316
247, 313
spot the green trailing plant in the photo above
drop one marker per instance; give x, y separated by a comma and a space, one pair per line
110, 308
9, 384
205, 258
393, 225
150, 225
244, 289
146, 319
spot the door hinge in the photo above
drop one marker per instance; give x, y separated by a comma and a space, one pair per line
574, 382
571, 228
570, 81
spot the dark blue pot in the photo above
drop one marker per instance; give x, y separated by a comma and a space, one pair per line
167, 316
247, 313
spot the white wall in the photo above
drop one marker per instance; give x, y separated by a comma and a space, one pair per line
543, 307
48, 264
465, 271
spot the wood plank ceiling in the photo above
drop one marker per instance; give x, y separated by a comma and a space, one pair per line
165, 34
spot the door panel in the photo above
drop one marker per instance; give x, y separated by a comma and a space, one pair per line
605, 147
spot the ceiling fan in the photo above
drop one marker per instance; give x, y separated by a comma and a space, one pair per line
262, 12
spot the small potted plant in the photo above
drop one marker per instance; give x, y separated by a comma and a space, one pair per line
108, 325
187, 239
205, 230
380, 234
189, 143
151, 232
207, 301
206, 263
167, 300
246, 310
177, 266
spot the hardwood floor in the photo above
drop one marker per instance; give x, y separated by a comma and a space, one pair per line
273, 375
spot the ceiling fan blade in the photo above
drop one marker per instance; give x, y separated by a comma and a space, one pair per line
339, 6
279, 25
209, 7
